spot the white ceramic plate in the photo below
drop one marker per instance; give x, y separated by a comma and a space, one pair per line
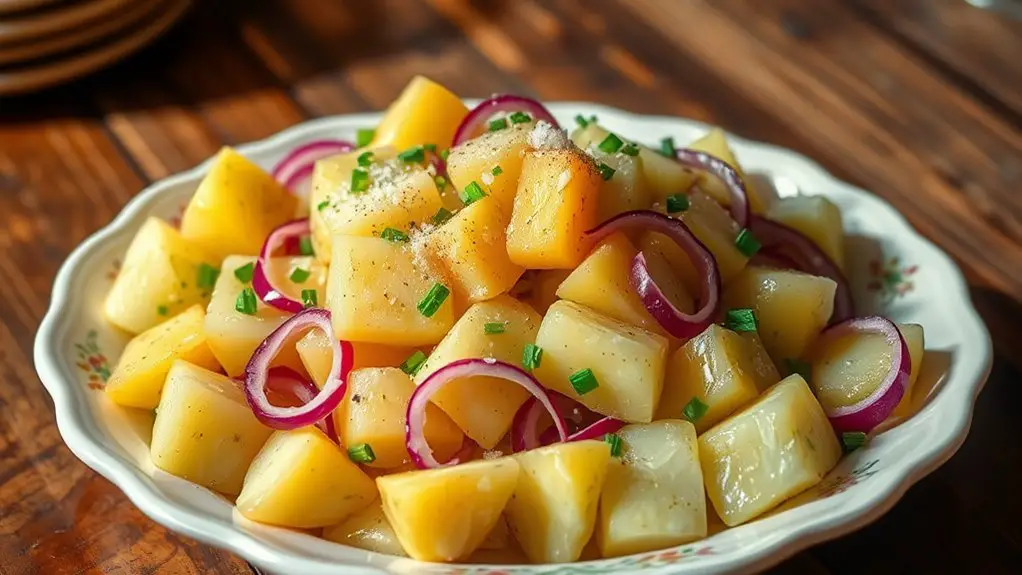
894, 271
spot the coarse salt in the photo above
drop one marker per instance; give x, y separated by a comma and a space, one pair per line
545, 136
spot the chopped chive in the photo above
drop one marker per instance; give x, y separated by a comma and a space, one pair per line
305, 246
473, 192
494, 328
413, 155
361, 453
429, 147
413, 364
497, 170
299, 275
162, 309
364, 136
611, 144
394, 235
359, 180
695, 409
583, 381
740, 319
531, 356
441, 216
322, 205
498, 124
365, 159
244, 273
800, 367
853, 440
614, 440
310, 298
520, 118
440, 181
667, 148
630, 149
606, 172
677, 203
207, 276
246, 302
433, 300
581, 121
747, 243
444, 154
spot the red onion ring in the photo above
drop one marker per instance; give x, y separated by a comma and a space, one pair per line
325, 400
286, 381
678, 323
868, 413
261, 283
739, 204
297, 166
525, 425
415, 417
470, 127
781, 241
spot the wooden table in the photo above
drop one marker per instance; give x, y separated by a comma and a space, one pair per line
917, 100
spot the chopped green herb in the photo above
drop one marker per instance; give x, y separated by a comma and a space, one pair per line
246, 302
695, 409
162, 309
606, 172
441, 216
473, 192
630, 149
677, 203
299, 275
414, 362
800, 367
429, 148
497, 170
740, 319
361, 453
365, 159
415, 155
494, 328
364, 136
305, 246
440, 181
520, 118
433, 300
394, 235
583, 121
322, 205
310, 298
207, 276
531, 356
667, 148
853, 440
747, 243
611, 144
244, 273
614, 440
498, 124
583, 381
444, 154
359, 181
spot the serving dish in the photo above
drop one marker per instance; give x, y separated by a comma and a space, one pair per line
894, 271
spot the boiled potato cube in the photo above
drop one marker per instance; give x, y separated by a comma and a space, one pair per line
538, 288
301, 479
715, 143
773, 449
472, 247
627, 362
719, 368
444, 514
483, 407
626, 190
791, 307
817, 218
557, 201
477, 159
234, 335
913, 334
317, 355
158, 279
367, 529
235, 207
138, 379
424, 113
205, 431
712, 225
653, 495
552, 512
374, 289
373, 412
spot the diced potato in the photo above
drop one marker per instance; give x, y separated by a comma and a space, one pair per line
817, 218
791, 307
367, 529
719, 368
374, 289
768, 452
158, 279
472, 247
715, 143
557, 201
713, 226
205, 431
444, 514
628, 362
626, 190
424, 113
538, 288
235, 207
142, 369
234, 335
303, 480
762, 366
476, 159
552, 512
483, 407
373, 412
653, 496
317, 355
913, 334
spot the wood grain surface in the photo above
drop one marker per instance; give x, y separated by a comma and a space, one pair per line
919, 101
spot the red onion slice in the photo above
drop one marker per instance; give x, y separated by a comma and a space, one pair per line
288, 382
476, 119
325, 401
261, 283
297, 166
868, 413
415, 417
781, 242
675, 321
739, 204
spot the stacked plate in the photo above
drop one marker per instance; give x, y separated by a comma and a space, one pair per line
46, 42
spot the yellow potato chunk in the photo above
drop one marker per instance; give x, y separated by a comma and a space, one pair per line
770, 451
627, 362
235, 207
205, 431
317, 355
399, 195
715, 143
557, 201
477, 159
424, 113
158, 279
713, 226
138, 379
626, 189
913, 334
552, 512
303, 480
538, 288
817, 218
444, 514
374, 289
653, 495
367, 529
483, 407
